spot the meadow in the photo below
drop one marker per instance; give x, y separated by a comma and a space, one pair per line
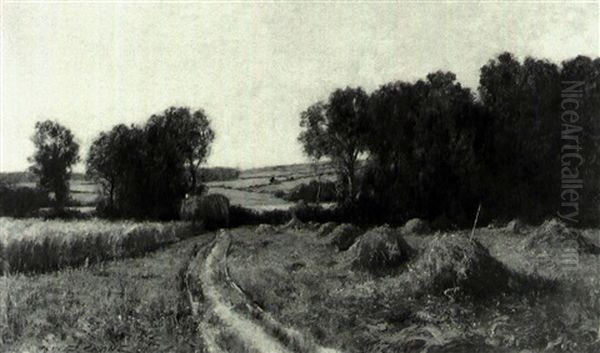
127, 305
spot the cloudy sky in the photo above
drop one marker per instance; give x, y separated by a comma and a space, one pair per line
252, 67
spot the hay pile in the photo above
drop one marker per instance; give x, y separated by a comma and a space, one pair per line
380, 249
294, 223
326, 228
455, 263
515, 226
416, 226
555, 235
211, 209
265, 229
344, 236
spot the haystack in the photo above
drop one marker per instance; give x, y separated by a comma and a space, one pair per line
515, 226
380, 249
416, 226
344, 236
326, 228
294, 223
211, 209
553, 234
265, 229
453, 262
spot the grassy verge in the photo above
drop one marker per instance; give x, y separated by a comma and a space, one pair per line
131, 305
33, 245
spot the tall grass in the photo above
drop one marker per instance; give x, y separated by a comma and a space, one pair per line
33, 245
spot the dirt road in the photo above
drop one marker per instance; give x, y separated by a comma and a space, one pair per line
231, 323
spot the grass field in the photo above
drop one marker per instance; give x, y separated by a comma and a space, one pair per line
130, 305
32, 245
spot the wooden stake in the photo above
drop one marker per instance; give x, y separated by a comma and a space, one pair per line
475, 222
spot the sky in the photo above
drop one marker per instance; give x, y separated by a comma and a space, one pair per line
253, 67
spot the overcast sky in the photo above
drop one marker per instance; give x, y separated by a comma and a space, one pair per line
252, 67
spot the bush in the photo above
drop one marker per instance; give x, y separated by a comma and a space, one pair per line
239, 216
325, 190
218, 174
22, 201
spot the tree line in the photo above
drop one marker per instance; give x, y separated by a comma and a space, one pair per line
436, 150
431, 149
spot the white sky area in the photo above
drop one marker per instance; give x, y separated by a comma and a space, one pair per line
252, 67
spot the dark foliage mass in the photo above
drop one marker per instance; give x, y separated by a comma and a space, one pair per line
21, 201
217, 174
435, 150
147, 170
55, 152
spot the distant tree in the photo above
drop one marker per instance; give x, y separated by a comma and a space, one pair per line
195, 137
117, 160
55, 153
337, 130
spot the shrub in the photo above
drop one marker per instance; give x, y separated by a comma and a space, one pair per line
381, 249
239, 216
218, 174
21, 201
322, 191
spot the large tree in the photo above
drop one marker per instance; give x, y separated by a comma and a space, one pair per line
524, 99
583, 75
146, 170
336, 130
55, 153
422, 143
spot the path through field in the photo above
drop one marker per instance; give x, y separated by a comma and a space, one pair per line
251, 330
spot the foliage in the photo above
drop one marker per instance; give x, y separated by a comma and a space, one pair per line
21, 201
336, 130
217, 174
146, 170
56, 152
436, 151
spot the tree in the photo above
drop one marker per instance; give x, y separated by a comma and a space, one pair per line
524, 99
196, 137
146, 170
116, 160
56, 152
586, 71
422, 143
336, 130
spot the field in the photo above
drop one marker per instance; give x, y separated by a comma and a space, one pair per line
128, 305
98, 286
